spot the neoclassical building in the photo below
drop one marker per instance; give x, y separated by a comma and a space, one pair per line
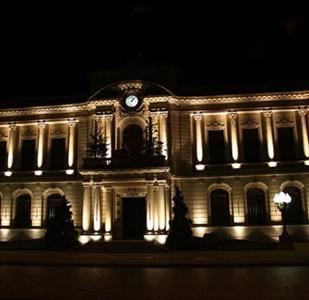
118, 155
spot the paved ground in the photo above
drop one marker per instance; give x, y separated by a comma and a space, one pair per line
110, 283
299, 256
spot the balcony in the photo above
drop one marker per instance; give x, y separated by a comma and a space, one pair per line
139, 161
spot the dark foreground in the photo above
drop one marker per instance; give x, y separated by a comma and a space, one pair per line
41, 282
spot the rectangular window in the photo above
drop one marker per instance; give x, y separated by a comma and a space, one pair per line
28, 155
251, 145
3, 155
286, 143
57, 161
216, 146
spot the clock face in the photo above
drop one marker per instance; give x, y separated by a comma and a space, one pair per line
131, 101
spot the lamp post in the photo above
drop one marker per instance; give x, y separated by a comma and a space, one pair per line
282, 201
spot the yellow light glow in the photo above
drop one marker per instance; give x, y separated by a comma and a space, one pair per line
234, 139
306, 162
200, 167
107, 237
199, 231
161, 238
304, 132
108, 209
40, 145
71, 143
97, 210
239, 219
239, 232
84, 239
96, 237
8, 173
5, 232
199, 139
270, 141
38, 172
149, 237
272, 164
11, 141
156, 208
161, 208
236, 165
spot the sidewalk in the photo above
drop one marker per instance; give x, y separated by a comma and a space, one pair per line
299, 256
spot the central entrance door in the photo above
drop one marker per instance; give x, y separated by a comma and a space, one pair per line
133, 218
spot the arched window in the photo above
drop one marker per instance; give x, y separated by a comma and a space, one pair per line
53, 201
256, 206
219, 201
133, 139
23, 211
294, 213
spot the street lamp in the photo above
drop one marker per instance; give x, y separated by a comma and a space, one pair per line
282, 201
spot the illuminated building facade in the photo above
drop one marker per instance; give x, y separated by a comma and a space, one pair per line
228, 154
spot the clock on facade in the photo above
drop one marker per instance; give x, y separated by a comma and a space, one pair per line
131, 102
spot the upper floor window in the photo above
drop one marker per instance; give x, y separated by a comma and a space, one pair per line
57, 159
3, 155
216, 146
251, 145
28, 154
286, 143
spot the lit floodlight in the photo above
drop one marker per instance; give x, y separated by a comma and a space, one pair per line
236, 165
69, 172
38, 172
200, 167
272, 164
8, 173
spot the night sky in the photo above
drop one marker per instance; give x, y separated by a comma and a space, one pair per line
51, 51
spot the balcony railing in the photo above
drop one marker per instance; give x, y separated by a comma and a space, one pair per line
139, 161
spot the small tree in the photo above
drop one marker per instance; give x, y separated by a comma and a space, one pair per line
180, 233
60, 231
97, 147
152, 145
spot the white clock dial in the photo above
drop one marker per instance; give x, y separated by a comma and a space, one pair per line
131, 101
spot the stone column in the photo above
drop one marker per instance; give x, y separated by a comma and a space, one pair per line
108, 135
40, 153
86, 207
304, 131
155, 119
234, 136
116, 133
10, 146
72, 123
167, 200
108, 210
156, 206
198, 137
163, 133
149, 208
97, 207
161, 209
269, 135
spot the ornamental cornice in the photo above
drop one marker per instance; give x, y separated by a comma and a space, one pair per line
177, 100
302, 111
243, 98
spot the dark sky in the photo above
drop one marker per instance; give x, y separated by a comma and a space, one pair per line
50, 51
